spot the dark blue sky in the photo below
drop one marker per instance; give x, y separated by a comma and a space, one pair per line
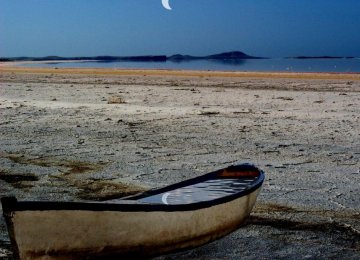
269, 28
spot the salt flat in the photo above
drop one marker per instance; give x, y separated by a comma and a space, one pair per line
61, 139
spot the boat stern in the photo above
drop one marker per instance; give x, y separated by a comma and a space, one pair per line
8, 207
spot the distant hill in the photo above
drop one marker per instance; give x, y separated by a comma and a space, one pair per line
228, 57
92, 58
180, 57
225, 56
233, 55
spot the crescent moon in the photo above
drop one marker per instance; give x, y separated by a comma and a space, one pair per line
165, 4
164, 198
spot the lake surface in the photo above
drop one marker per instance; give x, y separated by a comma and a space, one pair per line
276, 65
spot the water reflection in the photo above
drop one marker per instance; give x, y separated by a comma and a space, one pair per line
204, 191
229, 62
293, 65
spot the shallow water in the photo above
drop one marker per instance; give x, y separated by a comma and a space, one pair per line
278, 65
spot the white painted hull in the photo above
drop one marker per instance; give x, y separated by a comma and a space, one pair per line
64, 234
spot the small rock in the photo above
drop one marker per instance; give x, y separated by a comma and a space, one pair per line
285, 98
116, 100
208, 113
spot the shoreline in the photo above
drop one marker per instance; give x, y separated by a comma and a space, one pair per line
14, 68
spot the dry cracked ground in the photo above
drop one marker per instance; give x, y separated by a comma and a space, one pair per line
93, 137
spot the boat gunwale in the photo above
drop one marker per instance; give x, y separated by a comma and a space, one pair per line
10, 204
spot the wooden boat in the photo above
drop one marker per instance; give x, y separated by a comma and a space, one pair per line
177, 217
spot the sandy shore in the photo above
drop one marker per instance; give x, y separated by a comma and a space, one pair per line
93, 134
16, 67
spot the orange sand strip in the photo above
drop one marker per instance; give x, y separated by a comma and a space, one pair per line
180, 73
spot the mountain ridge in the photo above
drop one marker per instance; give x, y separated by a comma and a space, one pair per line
232, 55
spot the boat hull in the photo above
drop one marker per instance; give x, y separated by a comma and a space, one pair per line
59, 234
